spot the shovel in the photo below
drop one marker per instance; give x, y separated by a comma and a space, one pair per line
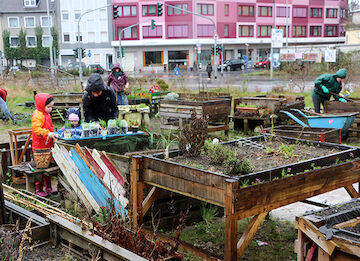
335, 94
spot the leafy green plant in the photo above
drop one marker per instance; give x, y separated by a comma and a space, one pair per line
208, 213
244, 183
165, 142
103, 124
162, 84
67, 125
111, 123
269, 150
287, 151
243, 105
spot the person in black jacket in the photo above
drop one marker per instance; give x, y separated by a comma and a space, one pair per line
99, 101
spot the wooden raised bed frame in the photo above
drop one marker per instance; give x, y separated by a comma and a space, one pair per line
241, 202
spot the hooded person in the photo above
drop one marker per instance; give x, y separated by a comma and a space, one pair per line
99, 101
327, 85
41, 122
118, 81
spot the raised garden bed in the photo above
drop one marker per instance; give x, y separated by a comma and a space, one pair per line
307, 133
332, 233
176, 113
253, 194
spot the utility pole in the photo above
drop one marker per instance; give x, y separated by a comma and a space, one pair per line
215, 32
272, 49
287, 24
78, 38
51, 40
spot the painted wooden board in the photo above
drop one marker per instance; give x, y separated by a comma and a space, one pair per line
110, 179
74, 182
82, 155
112, 168
94, 185
93, 162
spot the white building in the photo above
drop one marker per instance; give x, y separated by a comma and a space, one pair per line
95, 31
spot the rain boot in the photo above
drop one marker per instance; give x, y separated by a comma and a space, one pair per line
47, 183
39, 189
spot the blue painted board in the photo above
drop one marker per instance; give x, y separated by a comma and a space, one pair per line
107, 136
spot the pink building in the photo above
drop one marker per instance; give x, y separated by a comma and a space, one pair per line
181, 38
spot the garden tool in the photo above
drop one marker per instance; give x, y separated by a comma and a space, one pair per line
47, 184
39, 189
341, 96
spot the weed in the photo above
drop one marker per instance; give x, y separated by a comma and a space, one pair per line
208, 213
244, 183
269, 150
287, 151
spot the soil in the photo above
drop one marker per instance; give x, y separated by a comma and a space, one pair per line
355, 229
262, 158
337, 209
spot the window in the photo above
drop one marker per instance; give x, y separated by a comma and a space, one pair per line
29, 3
130, 33
103, 14
316, 12
342, 13
77, 14
331, 30
30, 41
127, 10
97, 58
45, 41
152, 33
226, 10
331, 13
205, 9
246, 31
205, 30
265, 11
174, 11
13, 22
315, 30
65, 15
177, 31
66, 37
77, 37
283, 27
91, 37
45, 22
299, 11
299, 31
245, 10
281, 11
149, 10
29, 21
89, 17
104, 37
14, 41
152, 58
226, 30
264, 30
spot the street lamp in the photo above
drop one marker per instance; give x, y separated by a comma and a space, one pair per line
51, 39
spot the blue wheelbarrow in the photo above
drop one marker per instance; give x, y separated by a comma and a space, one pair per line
341, 121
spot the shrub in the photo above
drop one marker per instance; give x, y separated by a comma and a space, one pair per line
162, 84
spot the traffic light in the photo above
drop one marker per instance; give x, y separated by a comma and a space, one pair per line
152, 24
56, 52
115, 11
212, 50
159, 9
76, 52
122, 53
83, 54
218, 48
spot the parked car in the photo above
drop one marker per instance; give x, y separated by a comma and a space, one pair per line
224, 65
234, 64
14, 69
97, 68
75, 65
263, 64
57, 67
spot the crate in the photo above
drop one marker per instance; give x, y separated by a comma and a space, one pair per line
307, 133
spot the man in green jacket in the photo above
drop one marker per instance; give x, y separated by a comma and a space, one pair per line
325, 86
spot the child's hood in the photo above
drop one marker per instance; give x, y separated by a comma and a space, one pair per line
40, 100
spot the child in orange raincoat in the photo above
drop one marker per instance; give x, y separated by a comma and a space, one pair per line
43, 134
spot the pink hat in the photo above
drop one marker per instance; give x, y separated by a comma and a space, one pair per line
73, 117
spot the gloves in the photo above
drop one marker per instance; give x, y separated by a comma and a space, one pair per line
324, 89
342, 100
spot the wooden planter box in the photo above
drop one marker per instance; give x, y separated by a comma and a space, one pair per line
307, 133
176, 113
342, 246
239, 201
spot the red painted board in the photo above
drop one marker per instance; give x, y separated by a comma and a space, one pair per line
91, 160
112, 168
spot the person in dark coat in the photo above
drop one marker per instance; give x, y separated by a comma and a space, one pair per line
209, 70
99, 100
118, 81
327, 85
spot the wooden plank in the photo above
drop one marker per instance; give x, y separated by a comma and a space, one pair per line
136, 191
186, 187
84, 158
263, 197
249, 233
94, 239
230, 252
25, 148
347, 246
312, 232
112, 168
93, 162
351, 191
112, 161
149, 200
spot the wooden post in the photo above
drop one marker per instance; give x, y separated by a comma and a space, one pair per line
230, 222
227, 126
2, 204
136, 191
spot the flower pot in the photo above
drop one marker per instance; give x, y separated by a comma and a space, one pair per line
135, 129
93, 132
67, 134
124, 130
104, 132
85, 133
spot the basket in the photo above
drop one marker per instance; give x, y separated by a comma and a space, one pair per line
42, 158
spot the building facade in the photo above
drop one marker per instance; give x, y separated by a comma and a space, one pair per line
95, 31
26, 15
243, 26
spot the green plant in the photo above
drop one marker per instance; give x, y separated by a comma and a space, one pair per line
134, 123
244, 183
243, 105
103, 124
286, 151
162, 84
165, 142
67, 125
112, 123
269, 150
208, 213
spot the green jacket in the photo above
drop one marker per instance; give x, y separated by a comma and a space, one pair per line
330, 82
